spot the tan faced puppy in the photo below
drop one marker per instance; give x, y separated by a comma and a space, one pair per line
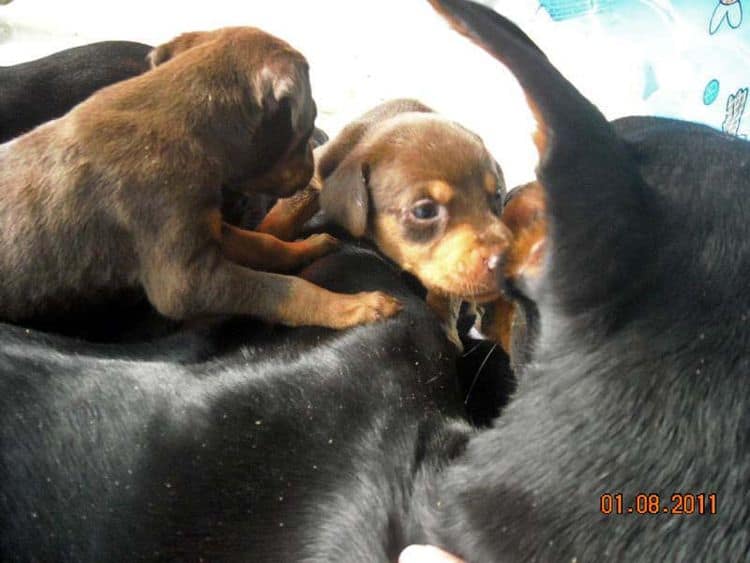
424, 189
124, 191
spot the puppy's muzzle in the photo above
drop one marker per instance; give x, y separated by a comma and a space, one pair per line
467, 262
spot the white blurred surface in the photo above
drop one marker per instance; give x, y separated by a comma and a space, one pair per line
360, 54
363, 52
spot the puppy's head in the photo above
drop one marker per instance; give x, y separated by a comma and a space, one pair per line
286, 162
427, 192
259, 104
511, 320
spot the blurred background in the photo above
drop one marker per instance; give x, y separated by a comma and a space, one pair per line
678, 58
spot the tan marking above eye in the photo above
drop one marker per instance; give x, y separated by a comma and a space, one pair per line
441, 192
490, 183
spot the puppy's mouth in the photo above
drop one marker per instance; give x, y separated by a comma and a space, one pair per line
473, 281
467, 292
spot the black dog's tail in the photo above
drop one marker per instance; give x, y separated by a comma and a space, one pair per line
598, 210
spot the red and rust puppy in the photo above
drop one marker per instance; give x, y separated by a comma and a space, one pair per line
124, 191
424, 189
37, 91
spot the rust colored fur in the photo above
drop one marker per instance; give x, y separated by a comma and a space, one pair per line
506, 320
124, 191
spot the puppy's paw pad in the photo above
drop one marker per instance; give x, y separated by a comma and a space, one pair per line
385, 305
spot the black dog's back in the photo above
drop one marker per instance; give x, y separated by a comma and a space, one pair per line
40, 90
236, 442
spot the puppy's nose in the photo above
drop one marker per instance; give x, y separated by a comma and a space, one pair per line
491, 255
493, 261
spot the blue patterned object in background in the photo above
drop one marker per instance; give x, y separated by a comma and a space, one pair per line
711, 92
726, 11
687, 59
564, 9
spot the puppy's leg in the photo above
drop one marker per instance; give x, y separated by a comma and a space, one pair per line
287, 216
203, 282
447, 309
261, 251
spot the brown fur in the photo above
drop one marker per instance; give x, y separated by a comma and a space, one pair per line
399, 153
289, 214
524, 215
124, 191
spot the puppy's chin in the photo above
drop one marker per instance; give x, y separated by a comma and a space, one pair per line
281, 182
470, 275
291, 189
471, 295
287, 176
467, 280
285, 190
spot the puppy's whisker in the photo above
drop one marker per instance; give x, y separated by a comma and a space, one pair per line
476, 375
473, 348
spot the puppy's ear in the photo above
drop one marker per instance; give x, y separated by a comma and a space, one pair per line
282, 84
602, 216
318, 138
167, 51
345, 196
281, 89
524, 215
344, 169
274, 85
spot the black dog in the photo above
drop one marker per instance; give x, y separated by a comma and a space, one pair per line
202, 445
637, 381
38, 91
308, 445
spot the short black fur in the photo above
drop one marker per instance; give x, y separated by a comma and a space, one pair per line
306, 445
37, 91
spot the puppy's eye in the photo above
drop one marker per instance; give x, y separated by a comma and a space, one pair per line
425, 210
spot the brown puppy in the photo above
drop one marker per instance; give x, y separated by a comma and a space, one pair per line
424, 189
510, 320
124, 191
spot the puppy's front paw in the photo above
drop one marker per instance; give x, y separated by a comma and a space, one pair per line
302, 252
320, 245
368, 307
